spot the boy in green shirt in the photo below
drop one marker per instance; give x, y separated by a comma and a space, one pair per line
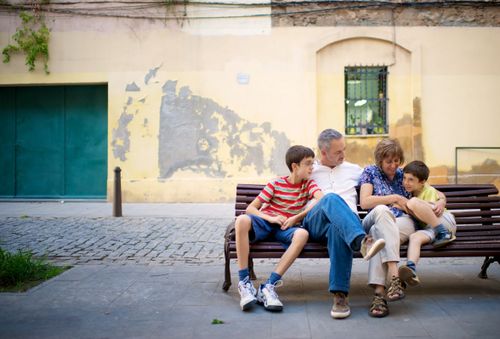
437, 225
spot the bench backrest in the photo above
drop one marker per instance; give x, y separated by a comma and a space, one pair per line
471, 204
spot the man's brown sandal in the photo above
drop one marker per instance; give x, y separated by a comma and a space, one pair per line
379, 308
396, 289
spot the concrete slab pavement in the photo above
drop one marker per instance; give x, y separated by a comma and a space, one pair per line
180, 301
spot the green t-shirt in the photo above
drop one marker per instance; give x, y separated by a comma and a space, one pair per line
428, 193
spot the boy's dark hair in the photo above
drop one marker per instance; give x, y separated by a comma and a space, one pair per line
296, 153
418, 169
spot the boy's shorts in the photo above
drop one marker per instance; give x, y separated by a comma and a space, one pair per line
262, 230
448, 221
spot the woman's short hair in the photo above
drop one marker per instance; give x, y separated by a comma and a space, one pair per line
388, 148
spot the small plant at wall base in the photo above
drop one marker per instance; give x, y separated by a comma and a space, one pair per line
32, 39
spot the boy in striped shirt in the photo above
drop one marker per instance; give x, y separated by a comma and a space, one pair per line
276, 213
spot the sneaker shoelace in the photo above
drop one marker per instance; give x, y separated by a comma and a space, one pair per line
271, 287
247, 287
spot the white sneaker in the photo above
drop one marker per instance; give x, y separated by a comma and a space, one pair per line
247, 293
267, 296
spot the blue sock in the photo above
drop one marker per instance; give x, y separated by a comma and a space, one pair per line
411, 265
440, 229
243, 274
273, 278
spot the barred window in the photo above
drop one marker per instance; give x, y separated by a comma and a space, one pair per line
365, 100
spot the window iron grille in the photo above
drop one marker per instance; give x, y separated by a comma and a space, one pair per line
366, 100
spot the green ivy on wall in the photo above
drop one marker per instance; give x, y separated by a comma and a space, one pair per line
32, 39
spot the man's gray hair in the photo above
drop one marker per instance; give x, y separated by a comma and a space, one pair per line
325, 138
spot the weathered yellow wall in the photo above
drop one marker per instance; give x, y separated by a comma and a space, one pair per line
193, 111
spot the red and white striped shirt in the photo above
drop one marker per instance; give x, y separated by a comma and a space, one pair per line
285, 198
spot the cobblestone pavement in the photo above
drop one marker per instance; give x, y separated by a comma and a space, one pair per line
140, 240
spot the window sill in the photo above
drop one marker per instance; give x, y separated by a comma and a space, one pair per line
350, 136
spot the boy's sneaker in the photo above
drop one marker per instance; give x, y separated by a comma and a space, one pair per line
340, 308
443, 238
247, 293
408, 275
369, 247
267, 296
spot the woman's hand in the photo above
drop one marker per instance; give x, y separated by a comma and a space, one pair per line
400, 202
438, 207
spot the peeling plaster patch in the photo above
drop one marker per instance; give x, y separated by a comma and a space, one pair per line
132, 88
130, 101
143, 100
151, 74
121, 137
145, 124
199, 135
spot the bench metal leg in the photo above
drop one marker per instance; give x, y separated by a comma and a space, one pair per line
227, 269
250, 268
486, 264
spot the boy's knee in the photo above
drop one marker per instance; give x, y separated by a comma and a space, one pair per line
243, 223
300, 235
412, 203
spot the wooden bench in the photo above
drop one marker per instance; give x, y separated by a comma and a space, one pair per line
476, 208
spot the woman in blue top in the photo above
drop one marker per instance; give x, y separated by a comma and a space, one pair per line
381, 189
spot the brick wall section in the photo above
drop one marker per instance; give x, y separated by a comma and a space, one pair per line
385, 13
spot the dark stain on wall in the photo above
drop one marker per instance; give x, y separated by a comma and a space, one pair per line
198, 134
359, 153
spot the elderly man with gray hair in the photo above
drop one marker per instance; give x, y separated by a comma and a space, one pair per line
334, 218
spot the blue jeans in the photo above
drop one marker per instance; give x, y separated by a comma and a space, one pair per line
332, 221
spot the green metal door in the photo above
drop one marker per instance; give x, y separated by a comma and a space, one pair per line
86, 141
55, 142
7, 142
39, 140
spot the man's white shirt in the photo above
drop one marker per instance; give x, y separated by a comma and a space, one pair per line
341, 179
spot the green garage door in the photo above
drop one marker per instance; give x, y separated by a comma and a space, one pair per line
54, 142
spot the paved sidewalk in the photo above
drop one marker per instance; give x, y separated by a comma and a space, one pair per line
105, 209
81, 233
158, 273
